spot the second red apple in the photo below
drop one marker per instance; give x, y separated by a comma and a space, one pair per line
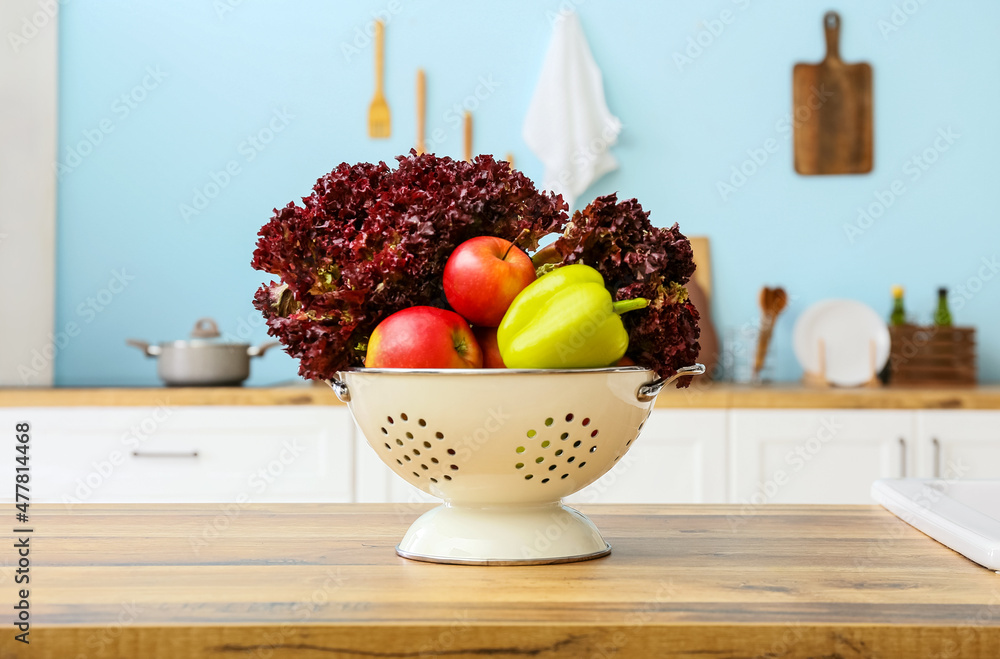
483, 276
487, 339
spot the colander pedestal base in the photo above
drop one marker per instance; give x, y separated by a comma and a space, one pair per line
503, 535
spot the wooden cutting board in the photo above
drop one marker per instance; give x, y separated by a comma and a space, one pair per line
703, 263
832, 111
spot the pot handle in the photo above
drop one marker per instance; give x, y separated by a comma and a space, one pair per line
258, 351
648, 391
151, 351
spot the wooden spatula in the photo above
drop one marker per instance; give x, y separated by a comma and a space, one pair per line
832, 110
468, 136
379, 123
421, 110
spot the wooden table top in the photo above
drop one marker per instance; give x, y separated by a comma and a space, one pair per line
313, 580
702, 394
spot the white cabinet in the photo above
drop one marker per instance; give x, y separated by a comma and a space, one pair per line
817, 456
680, 457
316, 453
959, 443
188, 454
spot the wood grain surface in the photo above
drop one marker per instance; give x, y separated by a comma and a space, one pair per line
310, 580
701, 394
832, 110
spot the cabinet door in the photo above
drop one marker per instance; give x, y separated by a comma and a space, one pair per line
679, 457
959, 443
817, 456
189, 454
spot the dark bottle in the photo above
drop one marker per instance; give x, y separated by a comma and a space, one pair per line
942, 317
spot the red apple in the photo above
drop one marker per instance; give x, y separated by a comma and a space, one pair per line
423, 337
487, 338
483, 276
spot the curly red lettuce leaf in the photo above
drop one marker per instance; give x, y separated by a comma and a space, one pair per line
372, 240
638, 259
618, 239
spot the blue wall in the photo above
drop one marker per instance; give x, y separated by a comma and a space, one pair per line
198, 83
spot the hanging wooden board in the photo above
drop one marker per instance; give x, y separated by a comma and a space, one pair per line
832, 110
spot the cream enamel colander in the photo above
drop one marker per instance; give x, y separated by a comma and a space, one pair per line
501, 447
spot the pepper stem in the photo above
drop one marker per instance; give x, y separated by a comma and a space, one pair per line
623, 306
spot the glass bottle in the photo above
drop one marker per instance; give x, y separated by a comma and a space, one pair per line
942, 317
898, 316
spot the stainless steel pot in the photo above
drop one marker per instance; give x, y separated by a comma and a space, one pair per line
203, 360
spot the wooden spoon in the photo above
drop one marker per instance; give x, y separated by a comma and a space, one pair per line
772, 302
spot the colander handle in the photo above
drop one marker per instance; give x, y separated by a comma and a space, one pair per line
649, 390
340, 388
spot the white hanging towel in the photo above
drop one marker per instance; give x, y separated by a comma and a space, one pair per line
569, 126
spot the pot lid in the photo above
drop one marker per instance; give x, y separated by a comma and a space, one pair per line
205, 334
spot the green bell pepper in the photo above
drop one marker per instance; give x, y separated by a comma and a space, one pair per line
565, 319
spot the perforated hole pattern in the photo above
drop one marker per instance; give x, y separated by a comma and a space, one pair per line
556, 442
553, 448
416, 438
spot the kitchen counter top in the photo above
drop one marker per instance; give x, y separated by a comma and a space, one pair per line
704, 395
311, 580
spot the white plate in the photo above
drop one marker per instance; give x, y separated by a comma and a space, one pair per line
962, 515
847, 329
